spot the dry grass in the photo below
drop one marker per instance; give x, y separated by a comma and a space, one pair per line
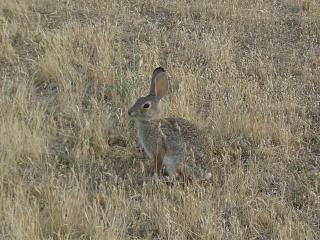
247, 71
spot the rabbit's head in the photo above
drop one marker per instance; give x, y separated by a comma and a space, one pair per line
149, 107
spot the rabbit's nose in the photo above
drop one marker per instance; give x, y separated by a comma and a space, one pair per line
131, 113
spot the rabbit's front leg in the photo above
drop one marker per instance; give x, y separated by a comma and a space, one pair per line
158, 162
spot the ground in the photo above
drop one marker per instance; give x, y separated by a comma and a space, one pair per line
246, 72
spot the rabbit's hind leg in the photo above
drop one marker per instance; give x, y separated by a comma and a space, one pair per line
194, 174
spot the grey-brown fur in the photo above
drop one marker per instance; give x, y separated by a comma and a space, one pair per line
173, 143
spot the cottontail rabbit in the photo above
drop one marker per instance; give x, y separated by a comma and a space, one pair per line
173, 142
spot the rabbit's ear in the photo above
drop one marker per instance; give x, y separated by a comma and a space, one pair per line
159, 82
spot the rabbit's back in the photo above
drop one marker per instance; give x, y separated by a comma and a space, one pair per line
184, 135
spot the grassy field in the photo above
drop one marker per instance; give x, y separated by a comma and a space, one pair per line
246, 71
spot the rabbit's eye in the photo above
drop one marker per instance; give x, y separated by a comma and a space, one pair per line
146, 105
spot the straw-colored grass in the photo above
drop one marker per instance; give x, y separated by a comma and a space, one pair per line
247, 72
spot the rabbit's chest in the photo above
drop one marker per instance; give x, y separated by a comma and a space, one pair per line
145, 146
146, 142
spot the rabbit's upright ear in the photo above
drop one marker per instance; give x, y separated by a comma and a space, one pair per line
159, 82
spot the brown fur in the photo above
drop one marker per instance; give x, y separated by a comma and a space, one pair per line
174, 143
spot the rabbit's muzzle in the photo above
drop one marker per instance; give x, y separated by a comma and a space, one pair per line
132, 113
